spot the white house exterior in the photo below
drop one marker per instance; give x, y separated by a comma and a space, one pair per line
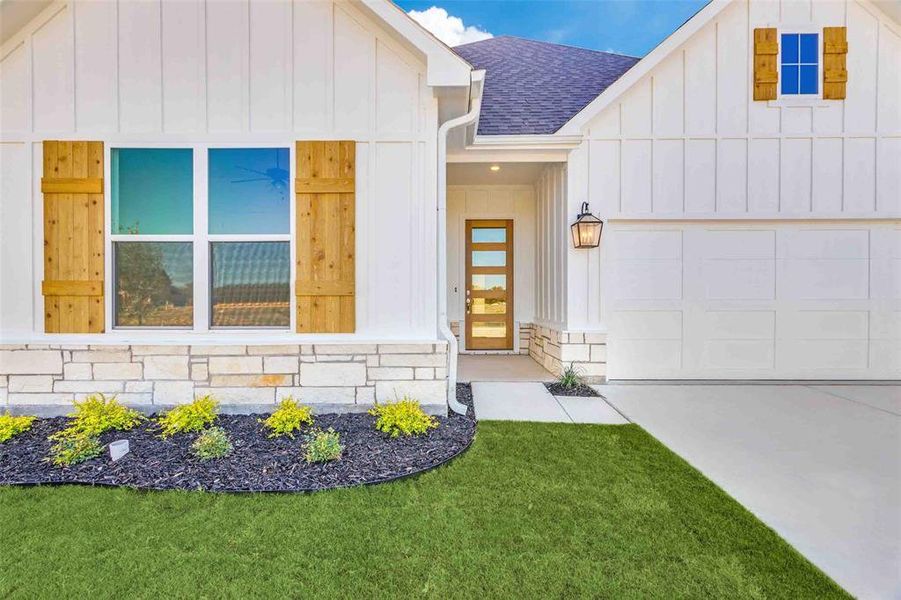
743, 239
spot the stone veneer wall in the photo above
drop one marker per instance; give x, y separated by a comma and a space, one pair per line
586, 351
244, 378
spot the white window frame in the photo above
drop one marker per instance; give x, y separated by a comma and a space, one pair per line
200, 238
799, 99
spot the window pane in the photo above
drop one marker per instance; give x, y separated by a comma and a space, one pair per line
154, 284
809, 83
489, 258
153, 190
250, 284
248, 190
489, 282
809, 48
789, 79
487, 329
489, 306
493, 234
790, 53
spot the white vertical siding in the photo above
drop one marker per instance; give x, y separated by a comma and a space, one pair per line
552, 232
235, 72
761, 159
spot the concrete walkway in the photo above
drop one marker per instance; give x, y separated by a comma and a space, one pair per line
530, 401
499, 367
819, 464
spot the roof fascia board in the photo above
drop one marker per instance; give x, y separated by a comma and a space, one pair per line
526, 142
444, 67
575, 125
507, 156
39, 20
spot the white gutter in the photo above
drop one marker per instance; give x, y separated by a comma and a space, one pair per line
477, 79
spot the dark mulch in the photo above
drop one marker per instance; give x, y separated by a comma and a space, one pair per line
580, 390
257, 464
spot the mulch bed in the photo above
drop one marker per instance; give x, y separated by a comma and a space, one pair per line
580, 390
257, 464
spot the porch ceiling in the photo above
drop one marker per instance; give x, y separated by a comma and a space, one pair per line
481, 173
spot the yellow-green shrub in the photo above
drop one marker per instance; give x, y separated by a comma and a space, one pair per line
97, 414
189, 417
403, 417
74, 448
288, 418
11, 426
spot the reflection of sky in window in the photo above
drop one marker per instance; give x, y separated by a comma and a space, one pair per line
242, 263
152, 190
489, 258
484, 234
248, 190
178, 262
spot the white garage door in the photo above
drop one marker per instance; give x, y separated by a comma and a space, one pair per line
754, 301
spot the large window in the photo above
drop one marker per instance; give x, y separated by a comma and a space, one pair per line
201, 237
800, 71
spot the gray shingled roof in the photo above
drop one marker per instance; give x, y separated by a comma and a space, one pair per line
536, 87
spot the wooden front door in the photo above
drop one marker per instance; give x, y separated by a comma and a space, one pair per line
489, 285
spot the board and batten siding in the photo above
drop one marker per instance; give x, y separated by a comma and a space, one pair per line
516, 202
235, 72
551, 247
688, 141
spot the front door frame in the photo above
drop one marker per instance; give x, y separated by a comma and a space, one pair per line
505, 344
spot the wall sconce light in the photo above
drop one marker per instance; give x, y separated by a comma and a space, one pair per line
586, 230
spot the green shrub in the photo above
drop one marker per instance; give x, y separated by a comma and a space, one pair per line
322, 446
288, 418
96, 414
74, 448
212, 443
11, 426
189, 417
570, 378
403, 417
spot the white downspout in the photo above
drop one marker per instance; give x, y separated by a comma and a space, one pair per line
475, 94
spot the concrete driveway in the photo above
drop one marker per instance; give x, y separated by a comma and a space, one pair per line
819, 464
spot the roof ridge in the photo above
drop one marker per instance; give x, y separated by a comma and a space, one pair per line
545, 43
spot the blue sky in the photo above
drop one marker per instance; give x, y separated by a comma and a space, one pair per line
630, 27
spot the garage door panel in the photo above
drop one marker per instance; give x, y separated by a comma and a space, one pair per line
649, 279
647, 325
738, 244
825, 244
633, 356
833, 279
823, 325
647, 244
738, 354
739, 279
738, 325
834, 357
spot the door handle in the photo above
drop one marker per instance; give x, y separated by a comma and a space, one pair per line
468, 302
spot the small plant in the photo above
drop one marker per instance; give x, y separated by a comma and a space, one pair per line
212, 443
404, 417
74, 448
97, 414
569, 379
11, 426
189, 417
288, 418
322, 446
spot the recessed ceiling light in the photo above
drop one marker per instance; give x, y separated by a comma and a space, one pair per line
495, 168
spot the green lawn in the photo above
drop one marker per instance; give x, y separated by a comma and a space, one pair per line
532, 510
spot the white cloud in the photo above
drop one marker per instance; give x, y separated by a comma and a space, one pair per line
448, 28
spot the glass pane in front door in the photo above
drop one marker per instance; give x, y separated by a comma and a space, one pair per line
489, 290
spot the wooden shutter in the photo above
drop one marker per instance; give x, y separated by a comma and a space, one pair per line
73, 237
766, 69
325, 251
835, 52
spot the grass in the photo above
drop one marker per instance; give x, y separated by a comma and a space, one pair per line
532, 510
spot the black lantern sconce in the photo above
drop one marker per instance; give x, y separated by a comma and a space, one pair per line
587, 229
